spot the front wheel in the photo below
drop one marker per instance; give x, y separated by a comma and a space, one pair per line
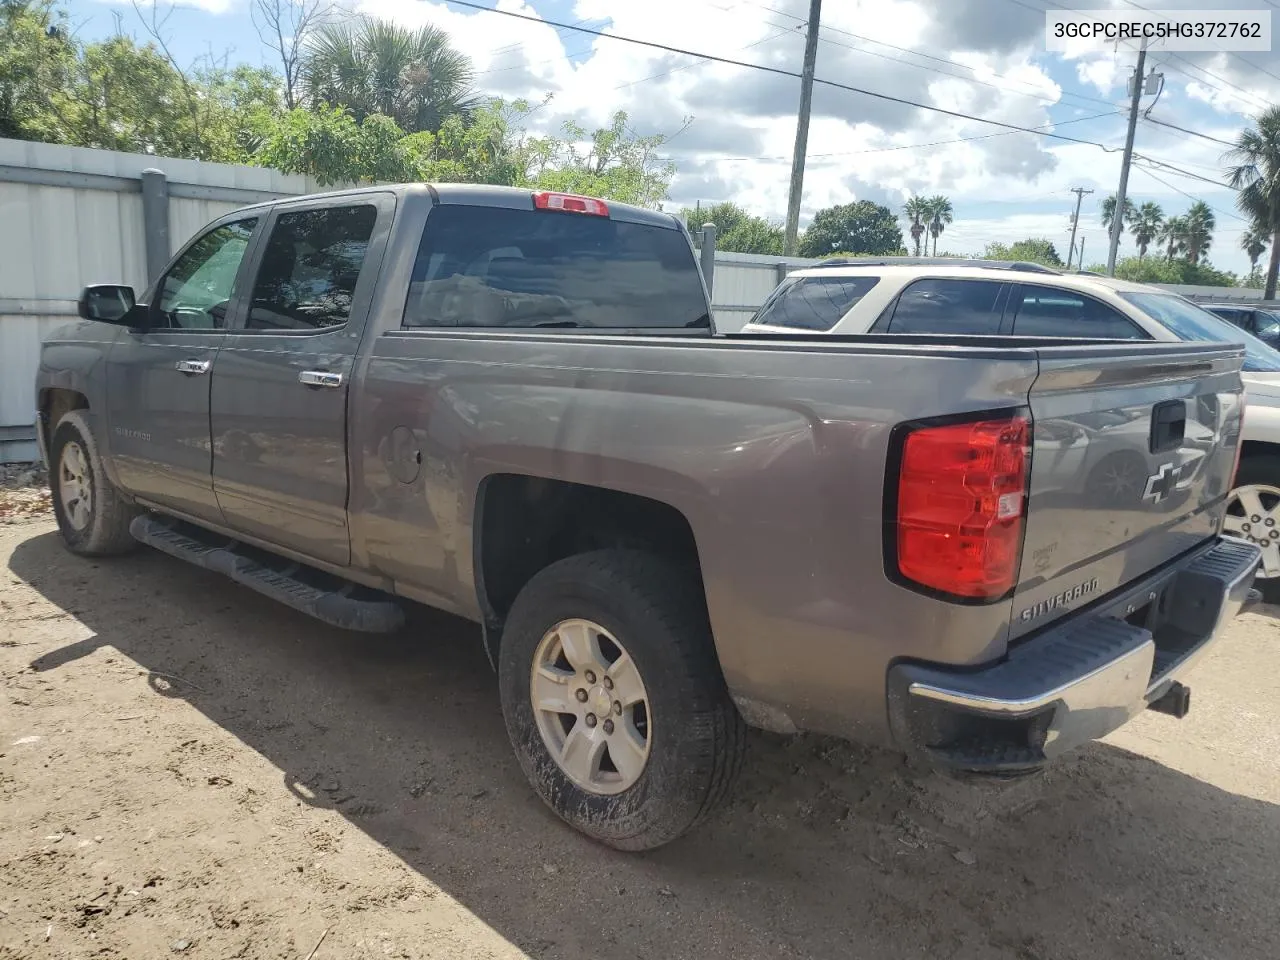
93, 518
614, 700
1253, 512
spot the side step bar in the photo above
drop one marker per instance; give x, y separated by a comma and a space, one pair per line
330, 599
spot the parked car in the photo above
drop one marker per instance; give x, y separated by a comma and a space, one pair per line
1262, 322
920, 296
513, 406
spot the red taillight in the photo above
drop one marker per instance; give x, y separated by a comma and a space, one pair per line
961, 495
570, 203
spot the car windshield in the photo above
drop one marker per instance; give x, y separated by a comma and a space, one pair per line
1189, 322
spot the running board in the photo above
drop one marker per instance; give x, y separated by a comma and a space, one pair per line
331, 599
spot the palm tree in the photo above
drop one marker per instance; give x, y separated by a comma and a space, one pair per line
370, 66
940, 214
1173, 234
1200, 222
1145, 226
1255, 172
1109, 212
917, 211
1254, 243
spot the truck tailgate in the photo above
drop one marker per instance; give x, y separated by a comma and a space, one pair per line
1132, 456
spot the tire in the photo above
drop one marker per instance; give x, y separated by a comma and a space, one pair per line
694, 736
1261, 472
100, 528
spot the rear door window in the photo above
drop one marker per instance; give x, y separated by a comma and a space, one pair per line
308, 275
496, 267
813, 303
1049, 312
949, 306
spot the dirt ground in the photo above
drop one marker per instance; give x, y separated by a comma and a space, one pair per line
187, 769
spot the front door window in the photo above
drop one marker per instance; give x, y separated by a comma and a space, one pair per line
196, 292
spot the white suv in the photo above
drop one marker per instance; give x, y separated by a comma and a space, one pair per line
991, 298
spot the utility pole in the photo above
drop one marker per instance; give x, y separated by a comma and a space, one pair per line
1117, 218
802, 129
1080, 193
1080, 264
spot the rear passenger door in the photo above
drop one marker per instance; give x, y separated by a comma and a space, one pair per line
945, 305
1039, 311
278, 407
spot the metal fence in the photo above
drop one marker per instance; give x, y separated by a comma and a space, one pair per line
71, 216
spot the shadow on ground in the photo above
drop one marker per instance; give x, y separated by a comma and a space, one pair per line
825, 850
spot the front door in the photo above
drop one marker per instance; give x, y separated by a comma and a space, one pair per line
279, 398
158, 376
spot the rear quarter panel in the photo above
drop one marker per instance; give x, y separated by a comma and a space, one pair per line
774, 455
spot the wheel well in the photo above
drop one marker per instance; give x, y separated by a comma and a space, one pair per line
525, 523
1258, 448
55, 403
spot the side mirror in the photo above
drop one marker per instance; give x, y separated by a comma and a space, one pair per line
107, 303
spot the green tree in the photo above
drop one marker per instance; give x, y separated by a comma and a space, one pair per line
918, 215
859, 227
616, 164
1145, 225
940, 214
372, 67
1173, 236
1200, 223
753, 235
1109, 213
36, 58
486, 148
1155, 270
724, 215
1255, 171
329, 144
1254, 243
736, 230
1032, 250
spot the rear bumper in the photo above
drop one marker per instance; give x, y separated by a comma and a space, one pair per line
1078, 680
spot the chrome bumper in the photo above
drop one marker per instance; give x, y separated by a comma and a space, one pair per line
1078, 680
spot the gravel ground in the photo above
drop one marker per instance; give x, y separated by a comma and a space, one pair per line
187, 769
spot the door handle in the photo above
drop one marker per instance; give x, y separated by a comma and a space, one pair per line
192, 366
320, 378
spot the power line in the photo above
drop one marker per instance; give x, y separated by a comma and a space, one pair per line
917, 146
778, 71
1165, 165
1194, 133
699, 63
927, 56
1194, 199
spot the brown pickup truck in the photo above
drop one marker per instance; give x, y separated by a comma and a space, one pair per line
514, 406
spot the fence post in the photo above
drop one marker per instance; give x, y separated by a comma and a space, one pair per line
155, 221
708, 254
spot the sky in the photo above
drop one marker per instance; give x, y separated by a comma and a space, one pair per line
732, 129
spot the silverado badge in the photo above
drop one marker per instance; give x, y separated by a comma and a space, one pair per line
1037, 610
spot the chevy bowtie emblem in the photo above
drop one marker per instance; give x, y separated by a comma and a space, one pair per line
1160, 484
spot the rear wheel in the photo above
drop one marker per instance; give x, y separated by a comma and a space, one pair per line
92, 516
1253, 512
614, 700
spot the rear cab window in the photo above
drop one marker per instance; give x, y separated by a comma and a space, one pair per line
1055, 312
483, 266
813, 303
